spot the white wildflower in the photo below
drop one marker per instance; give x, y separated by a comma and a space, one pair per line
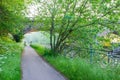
5, 57
0, 69
2, 62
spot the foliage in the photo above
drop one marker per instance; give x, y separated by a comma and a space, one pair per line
11, 18
69, 17
80, 69
18, 37
10, 60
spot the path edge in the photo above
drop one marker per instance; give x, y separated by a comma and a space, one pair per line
51, 65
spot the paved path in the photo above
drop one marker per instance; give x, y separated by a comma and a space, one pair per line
35, 68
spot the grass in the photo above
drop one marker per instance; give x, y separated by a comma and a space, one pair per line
10, 60
79, 69
39, 49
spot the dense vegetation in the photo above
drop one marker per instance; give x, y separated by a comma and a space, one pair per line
11, 26
12, 19
80, 31
79, 69
10, 59
77, 21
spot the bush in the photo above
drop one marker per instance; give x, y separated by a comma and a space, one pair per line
17, 38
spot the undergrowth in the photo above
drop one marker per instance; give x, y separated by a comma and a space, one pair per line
10, 60
79, 69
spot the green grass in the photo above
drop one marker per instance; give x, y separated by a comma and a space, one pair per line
39, 49
80, 69
10, 60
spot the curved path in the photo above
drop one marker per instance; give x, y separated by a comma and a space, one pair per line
35, 68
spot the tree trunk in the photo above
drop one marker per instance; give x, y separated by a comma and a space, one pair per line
52, 33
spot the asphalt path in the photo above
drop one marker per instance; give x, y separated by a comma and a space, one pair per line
35, 68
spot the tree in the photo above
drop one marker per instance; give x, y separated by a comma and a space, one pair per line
11, 17
66, 17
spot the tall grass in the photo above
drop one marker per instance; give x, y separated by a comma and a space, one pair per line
10, 60
80, 69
